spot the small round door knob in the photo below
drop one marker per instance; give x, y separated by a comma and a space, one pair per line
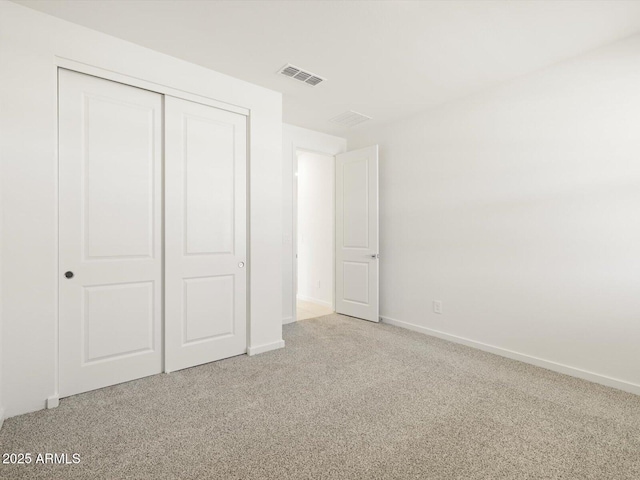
68, 274
241, 265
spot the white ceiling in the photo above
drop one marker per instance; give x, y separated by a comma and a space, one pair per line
386, 59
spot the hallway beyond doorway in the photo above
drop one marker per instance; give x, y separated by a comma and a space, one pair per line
311, 310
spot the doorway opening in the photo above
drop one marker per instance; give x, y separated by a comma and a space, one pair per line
315, 234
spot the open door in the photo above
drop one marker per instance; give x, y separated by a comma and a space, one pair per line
357, 271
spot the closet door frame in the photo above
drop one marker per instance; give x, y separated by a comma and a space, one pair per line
79, 67
146, 85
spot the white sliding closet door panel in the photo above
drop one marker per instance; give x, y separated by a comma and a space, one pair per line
110, 200
205, 234
357, 233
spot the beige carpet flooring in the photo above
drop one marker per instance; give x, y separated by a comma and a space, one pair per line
346, 399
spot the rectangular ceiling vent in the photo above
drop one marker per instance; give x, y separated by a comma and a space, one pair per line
350, 118
299, 74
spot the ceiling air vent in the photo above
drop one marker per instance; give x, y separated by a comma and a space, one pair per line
299, 74
350, 118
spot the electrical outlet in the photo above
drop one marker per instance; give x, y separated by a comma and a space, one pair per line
437, 306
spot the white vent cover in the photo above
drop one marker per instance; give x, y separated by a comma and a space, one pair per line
297, 73
350, 118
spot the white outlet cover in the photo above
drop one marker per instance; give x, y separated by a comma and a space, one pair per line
437, 306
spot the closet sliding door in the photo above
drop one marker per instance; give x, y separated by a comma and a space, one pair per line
112, 273
110, 224
205, 234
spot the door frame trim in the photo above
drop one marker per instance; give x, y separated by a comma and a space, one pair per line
87, 69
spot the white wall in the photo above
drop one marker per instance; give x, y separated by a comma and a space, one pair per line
519, 209
29, 44
315, 228
294, 138
1, 349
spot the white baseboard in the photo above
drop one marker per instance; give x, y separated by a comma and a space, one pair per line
265, 348
288, 320
1, 417
538, 362
322, 303
53, 402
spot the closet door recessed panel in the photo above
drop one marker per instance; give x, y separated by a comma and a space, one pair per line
118, 181
209, 158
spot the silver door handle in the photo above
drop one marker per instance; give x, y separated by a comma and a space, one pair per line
375, 255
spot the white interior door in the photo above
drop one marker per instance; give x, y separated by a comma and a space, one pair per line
357, 268
110, 254
205, 234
